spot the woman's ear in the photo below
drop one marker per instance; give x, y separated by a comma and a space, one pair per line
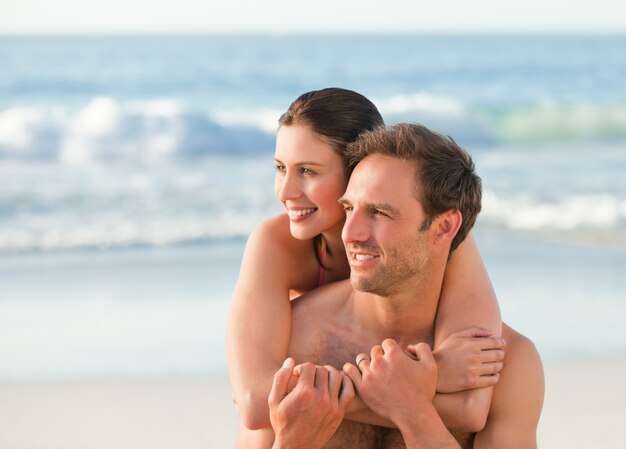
446, 225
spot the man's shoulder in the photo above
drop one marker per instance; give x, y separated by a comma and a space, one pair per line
517, 397
327, 294
315, 318
325, 299
518, 346
523, 369
521, 386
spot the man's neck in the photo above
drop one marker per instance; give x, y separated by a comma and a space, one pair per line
408, 316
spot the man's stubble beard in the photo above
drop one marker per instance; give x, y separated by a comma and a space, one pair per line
404, 264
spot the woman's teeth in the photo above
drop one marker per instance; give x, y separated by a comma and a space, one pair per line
301, 212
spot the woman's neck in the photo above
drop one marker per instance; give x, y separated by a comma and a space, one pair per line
336, 260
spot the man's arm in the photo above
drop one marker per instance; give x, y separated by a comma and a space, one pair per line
517, 399
401, 389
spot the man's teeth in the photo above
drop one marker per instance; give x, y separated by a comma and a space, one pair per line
301, 212
363, 257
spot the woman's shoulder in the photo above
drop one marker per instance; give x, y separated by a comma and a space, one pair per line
272, 241
274, 233
273, 253
274, 228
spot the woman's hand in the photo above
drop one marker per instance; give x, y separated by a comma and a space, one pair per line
308, 413
469, 359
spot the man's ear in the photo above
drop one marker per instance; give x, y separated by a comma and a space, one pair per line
446, 225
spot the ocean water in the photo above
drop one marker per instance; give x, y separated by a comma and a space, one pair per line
133, 168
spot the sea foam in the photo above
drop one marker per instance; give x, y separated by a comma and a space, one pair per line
559, 123
593, 218
107, 129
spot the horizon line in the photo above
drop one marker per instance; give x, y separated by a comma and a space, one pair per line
317, 33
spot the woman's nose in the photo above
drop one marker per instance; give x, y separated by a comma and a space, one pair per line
287, 187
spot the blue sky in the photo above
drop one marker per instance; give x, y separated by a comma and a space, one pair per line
282, 16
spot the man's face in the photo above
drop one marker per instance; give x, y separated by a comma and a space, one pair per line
385, 247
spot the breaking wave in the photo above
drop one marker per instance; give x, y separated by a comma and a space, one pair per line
105, 129
590, 218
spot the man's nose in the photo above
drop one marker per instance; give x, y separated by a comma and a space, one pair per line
356, 228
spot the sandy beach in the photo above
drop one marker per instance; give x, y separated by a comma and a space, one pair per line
584, 407
118, 414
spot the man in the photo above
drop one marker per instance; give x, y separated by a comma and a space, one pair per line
411, 199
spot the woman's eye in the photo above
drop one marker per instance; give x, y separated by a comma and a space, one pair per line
306, 171
280, 168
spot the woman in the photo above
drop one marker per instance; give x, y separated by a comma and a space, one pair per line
301, 249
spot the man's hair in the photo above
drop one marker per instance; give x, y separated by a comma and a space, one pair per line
336, 115
445, 175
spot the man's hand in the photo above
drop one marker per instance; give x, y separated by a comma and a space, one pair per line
393, 384
469, 359
401, 387
308, 415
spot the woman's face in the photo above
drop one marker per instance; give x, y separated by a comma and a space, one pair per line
309, 181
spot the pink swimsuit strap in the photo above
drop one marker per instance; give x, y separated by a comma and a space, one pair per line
320, 276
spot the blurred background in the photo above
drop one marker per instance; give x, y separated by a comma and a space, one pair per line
136, 156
